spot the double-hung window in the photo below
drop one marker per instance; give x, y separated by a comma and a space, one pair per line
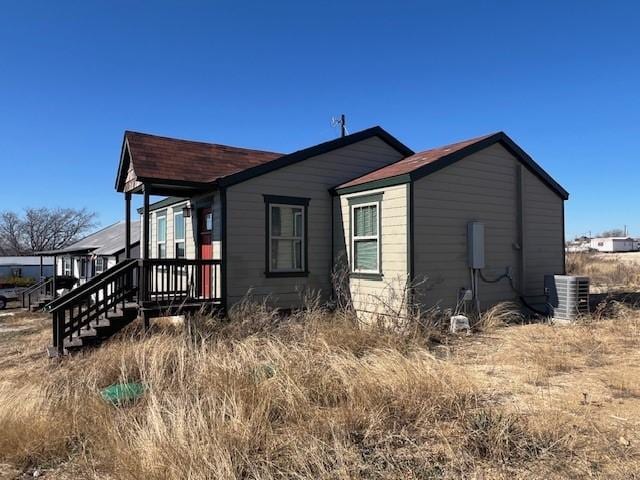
365, 235
286, 235
179, 230
161, 232
99, 265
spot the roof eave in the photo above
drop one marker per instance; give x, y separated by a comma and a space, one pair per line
64, 251
506, 142
120, 176
372, 185
167, 202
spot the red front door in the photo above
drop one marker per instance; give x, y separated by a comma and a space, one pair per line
205, 250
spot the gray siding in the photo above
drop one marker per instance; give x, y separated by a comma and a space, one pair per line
311, 178
544, 233
484, 187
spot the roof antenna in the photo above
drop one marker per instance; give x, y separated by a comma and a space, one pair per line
342, 122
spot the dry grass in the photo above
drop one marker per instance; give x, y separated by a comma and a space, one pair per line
317, 395
607, 271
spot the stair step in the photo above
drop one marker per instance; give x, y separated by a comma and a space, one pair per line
102, 323
100, 329
74, 342
88, 332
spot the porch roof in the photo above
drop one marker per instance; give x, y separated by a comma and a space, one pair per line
106, 241
160, 160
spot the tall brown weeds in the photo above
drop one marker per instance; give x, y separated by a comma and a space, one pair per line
310, 395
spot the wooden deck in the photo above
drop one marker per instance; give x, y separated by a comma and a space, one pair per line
132, 289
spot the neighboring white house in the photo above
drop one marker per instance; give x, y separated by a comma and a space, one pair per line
95, 253
574, 247
27, 266
613, 244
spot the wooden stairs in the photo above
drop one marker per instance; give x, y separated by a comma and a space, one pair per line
36, 297
98, 330
40, 303
94, 311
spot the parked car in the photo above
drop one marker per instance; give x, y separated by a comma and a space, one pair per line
9, 292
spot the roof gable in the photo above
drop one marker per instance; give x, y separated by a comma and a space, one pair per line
424, 163
172, 160
314, 151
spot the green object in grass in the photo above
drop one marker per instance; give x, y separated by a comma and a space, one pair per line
120, 393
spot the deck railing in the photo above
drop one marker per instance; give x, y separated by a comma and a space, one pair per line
152, 283
171, 280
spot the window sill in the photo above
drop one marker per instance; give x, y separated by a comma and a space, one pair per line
366, 276
285, 274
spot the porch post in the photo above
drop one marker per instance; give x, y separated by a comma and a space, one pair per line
145, 256
41, 268
145, 223
55, 273
127, 233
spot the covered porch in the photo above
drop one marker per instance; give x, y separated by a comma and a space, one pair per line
180, 265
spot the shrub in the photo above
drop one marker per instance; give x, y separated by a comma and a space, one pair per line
18, 281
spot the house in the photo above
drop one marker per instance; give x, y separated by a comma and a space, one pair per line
288, 217
578, 246
362, 215
26, 266
95, 253
613, 244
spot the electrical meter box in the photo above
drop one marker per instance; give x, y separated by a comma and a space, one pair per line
475, 244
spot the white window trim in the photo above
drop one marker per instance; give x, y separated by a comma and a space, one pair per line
176, 240
102, 265
166, 234
376, 237
301, 238
64, 266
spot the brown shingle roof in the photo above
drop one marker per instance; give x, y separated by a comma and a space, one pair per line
155, 157
420, 164
413, 162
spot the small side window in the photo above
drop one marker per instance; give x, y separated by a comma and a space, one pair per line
365, 236
161, 232
366, 239
179, 229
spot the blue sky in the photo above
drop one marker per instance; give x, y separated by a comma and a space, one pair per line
561, 78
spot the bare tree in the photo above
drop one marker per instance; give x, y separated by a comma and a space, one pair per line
43, 229
615, 232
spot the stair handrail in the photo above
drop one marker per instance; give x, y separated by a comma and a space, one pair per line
82, 290
37, 286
